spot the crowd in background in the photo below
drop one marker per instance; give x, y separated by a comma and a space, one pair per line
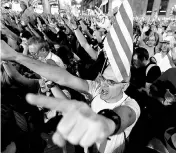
51, 39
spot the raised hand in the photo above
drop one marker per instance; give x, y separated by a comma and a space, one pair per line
79, 125
84, 27
73, 23
145, 28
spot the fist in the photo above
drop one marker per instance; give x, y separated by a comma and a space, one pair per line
79, 125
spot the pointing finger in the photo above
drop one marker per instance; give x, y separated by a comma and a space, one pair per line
61, 105
58, 139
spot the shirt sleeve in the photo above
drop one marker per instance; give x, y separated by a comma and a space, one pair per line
131, 103
58, 61
153, 74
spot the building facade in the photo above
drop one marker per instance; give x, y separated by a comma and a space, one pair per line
148, 7
141, 7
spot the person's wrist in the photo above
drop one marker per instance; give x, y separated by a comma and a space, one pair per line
75, 27
111, 126
50, 84
114, 120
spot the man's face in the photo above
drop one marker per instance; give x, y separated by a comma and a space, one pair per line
44, 27
165, 48
34, 50
110, 88
136, 62
24, 40
97, 36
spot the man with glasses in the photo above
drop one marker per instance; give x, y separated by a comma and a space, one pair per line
40, 49
107, 123
165, 59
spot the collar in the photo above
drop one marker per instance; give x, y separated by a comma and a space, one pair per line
124, 97
49, 56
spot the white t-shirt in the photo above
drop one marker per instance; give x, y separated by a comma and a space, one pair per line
55, 58
164, 62
116, 142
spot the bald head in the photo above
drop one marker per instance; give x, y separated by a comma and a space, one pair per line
109, 74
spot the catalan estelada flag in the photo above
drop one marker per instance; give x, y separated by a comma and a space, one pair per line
118, 43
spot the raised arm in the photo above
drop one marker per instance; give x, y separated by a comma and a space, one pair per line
14, 74
80, 125
53, 73
84, 27
173, 53
82, 40
33, 31
127, 116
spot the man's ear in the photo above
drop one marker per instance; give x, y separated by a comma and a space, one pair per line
43, 49
125, 86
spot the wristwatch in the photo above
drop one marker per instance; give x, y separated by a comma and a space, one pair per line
110, 114
51, 85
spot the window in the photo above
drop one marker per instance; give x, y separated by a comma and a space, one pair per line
104, 8
107, 7
163, 7
149, 7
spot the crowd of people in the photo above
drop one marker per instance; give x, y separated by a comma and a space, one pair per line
76, 102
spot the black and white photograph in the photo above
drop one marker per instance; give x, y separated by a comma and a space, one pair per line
88, 76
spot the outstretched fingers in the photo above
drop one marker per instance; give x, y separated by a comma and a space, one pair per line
61, 105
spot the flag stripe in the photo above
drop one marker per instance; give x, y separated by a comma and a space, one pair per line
120, 49
117, 58
128, 9
116, 3
124, 37
119, 40
112, 61
126, 20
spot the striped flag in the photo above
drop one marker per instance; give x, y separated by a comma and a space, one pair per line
119, 41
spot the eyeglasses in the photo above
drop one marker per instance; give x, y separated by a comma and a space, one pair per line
108, 81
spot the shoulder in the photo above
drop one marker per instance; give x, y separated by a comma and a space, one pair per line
131, 103
170, 73
154, 69
157, 55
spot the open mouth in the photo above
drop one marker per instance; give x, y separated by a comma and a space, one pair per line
104, 92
